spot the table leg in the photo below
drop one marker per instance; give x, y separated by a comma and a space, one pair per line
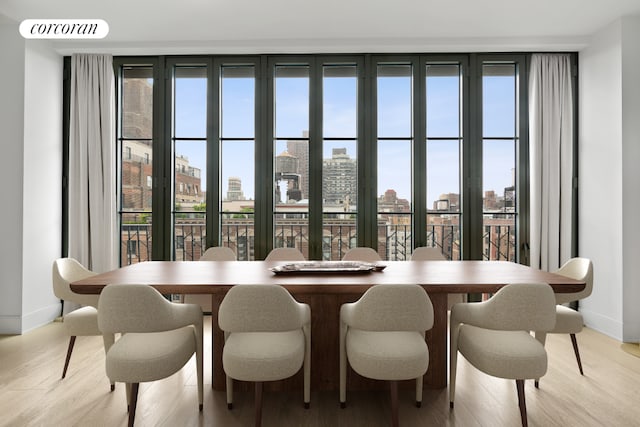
217, 343
436, 376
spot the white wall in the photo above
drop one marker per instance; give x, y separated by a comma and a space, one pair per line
31, 143
609, 170
11, 173
42, 212
631, 177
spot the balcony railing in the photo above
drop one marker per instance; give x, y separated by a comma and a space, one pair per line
394, 240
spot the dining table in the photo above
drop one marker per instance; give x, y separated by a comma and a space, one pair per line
325, 290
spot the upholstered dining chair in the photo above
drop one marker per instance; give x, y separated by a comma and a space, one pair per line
218, 253
568, 320
361, 254
82, 321
494, 335
428, 253
158, 337
382, 336
267, 338
285, 254
214, 253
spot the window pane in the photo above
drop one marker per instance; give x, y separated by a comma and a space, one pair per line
499, 100
394, 101
340, 101
189, 196
291, 101
443, 101
135, 153
499, 237
443, 232
190, 112
394, 176
237, 159
238, 102
137, 102
340, 177
394, 235
443, 175
499, 171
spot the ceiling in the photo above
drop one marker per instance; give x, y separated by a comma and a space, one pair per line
288, 26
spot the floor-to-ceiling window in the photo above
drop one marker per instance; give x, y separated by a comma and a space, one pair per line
322, 153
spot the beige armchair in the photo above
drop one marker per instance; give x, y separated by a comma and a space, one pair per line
158, 337
361, 254
218, 253
569, 321
382, 337
82, 321
494, 335
425, 253
285, 254
267, 338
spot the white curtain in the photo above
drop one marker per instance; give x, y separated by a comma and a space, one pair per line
92, 213
551, 159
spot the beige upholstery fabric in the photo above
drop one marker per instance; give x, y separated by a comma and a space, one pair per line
218, 253
569, 321
158, 337
503, 354
494, 335
214, 253
387, 355
66, 271
82, 322
267, 336
285, 254
425, 253
245, 354
361, 254
382, 336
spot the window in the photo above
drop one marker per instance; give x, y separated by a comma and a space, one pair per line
323, 153
134, 144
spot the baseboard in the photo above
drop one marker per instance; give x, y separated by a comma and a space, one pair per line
603, 324
10, 325
16, 325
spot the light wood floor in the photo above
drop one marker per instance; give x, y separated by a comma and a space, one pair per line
32, 393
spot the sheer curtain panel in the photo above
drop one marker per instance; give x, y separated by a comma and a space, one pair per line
551, 159
92, 220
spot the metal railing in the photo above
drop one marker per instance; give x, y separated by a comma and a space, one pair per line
394, 240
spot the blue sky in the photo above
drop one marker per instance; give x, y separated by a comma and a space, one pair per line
394, 120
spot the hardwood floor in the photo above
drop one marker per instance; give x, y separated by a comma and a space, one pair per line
32, 393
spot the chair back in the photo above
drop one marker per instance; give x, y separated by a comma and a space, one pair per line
425, 253
362, 254
285, 254
141, 308
391, 308
579, 269
218, 253
260, 308
519, 307
63, 273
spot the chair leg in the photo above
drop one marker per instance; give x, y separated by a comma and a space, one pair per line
394, 403
229, 392
258, 404
133, 403
72, 341
575, 350
521, 402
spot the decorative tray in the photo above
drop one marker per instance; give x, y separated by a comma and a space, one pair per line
327, 267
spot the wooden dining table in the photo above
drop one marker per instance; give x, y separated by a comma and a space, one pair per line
325, 292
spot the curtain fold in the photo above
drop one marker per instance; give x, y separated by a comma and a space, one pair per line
551, 159
92, 201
